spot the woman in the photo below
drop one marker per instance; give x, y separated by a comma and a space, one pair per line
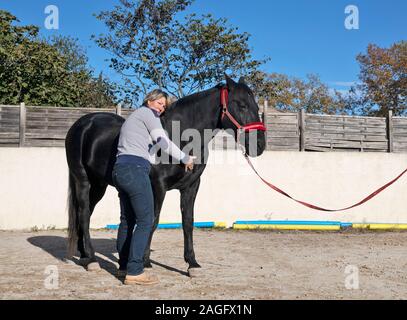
131, 178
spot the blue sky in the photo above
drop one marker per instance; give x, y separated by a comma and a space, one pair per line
300, 36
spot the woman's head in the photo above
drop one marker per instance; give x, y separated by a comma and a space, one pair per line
157, 100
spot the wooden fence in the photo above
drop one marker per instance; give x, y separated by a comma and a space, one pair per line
47, 126
312, 132
22, 126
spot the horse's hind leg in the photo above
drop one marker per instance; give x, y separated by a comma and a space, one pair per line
85, 247
96, 193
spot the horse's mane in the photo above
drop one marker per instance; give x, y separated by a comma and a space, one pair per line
192, 98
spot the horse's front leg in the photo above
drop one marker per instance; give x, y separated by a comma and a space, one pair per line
188, 196
159, 195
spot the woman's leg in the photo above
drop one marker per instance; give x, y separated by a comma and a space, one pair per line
142, 202
134, 181
125, 232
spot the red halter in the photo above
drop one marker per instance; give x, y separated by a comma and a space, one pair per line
224, 99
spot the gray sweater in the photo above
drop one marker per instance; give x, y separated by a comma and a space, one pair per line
142, 135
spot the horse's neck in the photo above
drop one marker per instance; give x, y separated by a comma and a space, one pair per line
205, 113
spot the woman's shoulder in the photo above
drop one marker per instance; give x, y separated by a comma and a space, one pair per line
142, 112
148, 112
148, 116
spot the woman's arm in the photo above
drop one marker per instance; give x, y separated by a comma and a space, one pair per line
159, 135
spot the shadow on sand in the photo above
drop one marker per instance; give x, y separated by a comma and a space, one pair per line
57, 247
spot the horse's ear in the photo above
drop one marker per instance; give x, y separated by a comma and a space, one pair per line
242, 80
229, 82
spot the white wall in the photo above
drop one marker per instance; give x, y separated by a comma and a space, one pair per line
34, 184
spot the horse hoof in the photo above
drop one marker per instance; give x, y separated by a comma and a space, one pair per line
195, 272
68, 261
93, 267
83, 262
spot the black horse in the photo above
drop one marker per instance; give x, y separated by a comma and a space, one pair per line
91, 146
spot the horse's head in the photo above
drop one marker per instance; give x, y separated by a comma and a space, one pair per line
242, 106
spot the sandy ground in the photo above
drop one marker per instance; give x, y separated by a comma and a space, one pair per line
236, 265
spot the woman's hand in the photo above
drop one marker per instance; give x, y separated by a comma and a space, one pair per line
190, 164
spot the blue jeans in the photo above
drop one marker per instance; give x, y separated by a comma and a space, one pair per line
136, 214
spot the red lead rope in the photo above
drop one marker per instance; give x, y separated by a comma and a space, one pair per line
260, 126
372, 195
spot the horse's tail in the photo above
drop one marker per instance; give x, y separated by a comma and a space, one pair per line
73, 226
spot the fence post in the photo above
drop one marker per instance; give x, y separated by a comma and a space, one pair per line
265, 110
390, 136
301, 126
23, 119
265, 106
119, 109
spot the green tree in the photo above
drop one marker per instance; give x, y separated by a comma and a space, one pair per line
153, 46
38, 72
92, 92
70, 48
383, 73
22, 56
286, 93
99, 92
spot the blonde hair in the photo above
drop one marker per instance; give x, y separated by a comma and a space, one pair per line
155, 95
171, 100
